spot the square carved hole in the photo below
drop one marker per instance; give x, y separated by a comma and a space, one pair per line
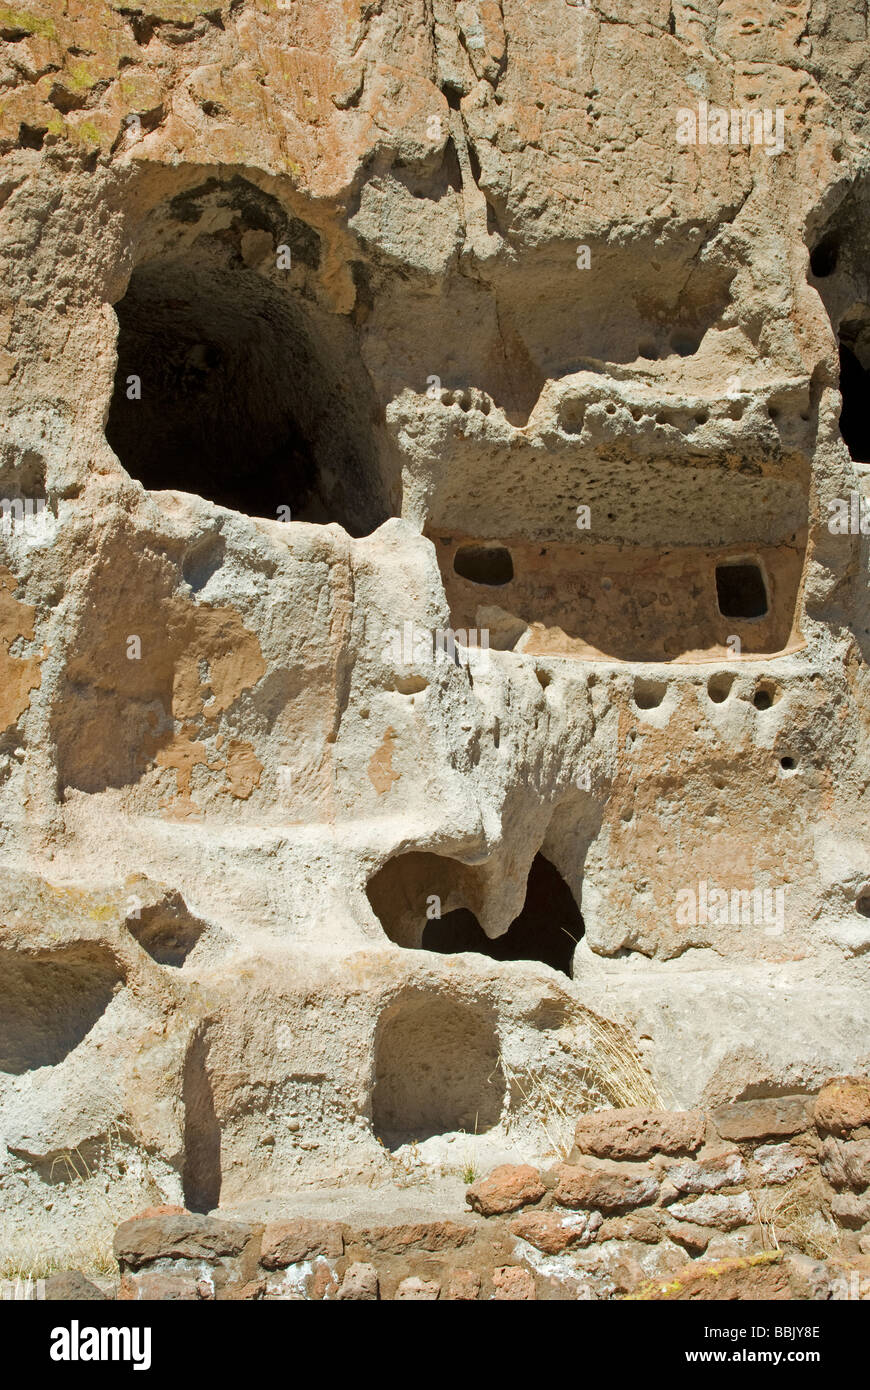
741, 591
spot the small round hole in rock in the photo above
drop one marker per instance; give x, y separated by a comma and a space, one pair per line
719, 686
787, 764
649, 694
762, 699
863, 905
484, 564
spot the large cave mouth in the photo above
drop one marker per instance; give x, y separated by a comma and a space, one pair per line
548, 928
422, 901
838, 269
233, 388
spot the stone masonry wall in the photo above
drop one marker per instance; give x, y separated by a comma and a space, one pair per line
758, 1199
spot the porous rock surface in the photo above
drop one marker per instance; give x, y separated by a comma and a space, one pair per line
326, 328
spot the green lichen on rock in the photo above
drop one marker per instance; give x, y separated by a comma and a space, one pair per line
14, 22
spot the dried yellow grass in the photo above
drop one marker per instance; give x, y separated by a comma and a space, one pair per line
108, 1194
613, 1078
794, 1217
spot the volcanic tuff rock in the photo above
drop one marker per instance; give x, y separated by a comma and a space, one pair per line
433, 588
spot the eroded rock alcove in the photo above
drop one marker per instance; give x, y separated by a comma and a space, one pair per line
228, 385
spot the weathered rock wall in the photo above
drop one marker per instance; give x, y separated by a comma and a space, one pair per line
328, 328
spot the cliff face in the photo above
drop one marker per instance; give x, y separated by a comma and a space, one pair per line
433, 599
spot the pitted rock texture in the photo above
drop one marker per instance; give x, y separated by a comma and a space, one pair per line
433, 588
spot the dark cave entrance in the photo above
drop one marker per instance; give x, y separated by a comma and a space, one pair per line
855, 412
484, 564
546, 930
214, 416
233, 381
222, 390
839, 253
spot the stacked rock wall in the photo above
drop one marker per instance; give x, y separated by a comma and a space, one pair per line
755, 1200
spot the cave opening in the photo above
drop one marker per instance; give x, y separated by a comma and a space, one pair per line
403, 891
484, 564
824, 256
166, 930
201, 1170
547, 930
839, 252
854, 415
233, 382
50, 1000
436, 1070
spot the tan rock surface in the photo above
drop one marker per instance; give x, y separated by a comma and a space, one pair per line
327, 330
609, 1187
843, 1105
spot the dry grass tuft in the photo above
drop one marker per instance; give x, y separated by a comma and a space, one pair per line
794, 1217
617, 1077
80, 1236
614, 1077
